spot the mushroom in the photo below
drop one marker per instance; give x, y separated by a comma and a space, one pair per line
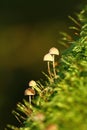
33, 84
30, 92
48, 58
54, 51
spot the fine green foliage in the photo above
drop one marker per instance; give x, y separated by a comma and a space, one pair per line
61, 102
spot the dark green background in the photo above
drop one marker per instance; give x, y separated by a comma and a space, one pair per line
28, 29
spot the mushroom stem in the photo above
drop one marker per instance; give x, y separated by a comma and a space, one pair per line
30, 99
48, 64
54, 66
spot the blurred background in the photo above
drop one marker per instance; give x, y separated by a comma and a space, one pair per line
28, 29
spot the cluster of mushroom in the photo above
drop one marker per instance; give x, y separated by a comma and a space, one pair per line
50, 57
31, 90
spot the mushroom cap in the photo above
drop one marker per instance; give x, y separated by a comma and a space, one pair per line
32, 83
48, 57
54, 51
29, 91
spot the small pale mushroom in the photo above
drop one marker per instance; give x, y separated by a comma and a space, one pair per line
29, 92
54, 51
49, 59
33, 84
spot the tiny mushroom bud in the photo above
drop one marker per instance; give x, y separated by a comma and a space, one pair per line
30, 92
52, 127
54, 51
48, 58
39, 117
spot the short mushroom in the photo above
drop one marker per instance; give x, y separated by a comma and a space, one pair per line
30, 92
54, 51
49, 59
33, 84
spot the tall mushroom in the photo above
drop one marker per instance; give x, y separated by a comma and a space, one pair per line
30, 92
54, 51
49, 59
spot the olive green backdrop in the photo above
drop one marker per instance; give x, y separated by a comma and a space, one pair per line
28, 29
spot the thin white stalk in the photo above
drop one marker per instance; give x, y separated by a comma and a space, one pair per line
48, 64
30, 99
54, 71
